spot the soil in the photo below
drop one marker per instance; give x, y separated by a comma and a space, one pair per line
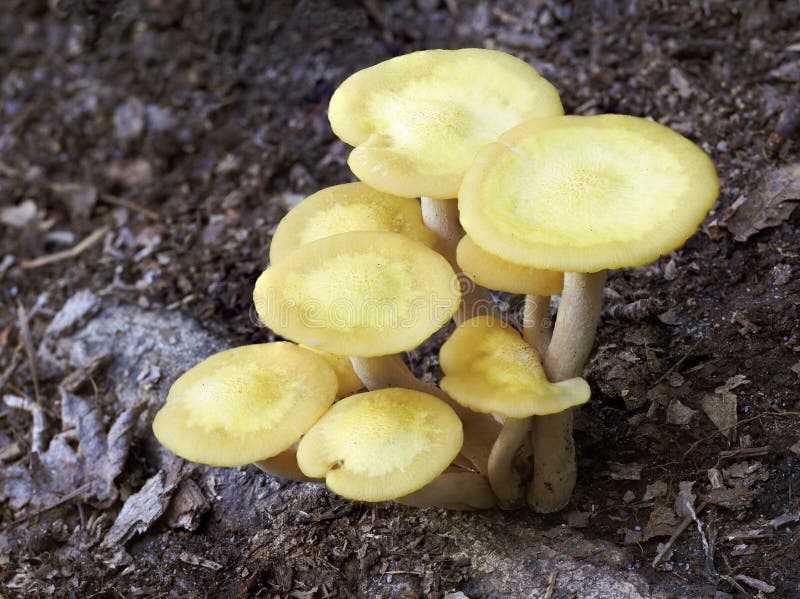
177, 134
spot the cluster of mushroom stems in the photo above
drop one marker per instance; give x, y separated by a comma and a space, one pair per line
467, 166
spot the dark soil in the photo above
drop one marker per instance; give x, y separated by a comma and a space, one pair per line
210, 116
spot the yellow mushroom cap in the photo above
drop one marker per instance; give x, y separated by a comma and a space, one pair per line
586, 193
381, 445
349, 382
493, 272
245, 404
418, 120
346, 208
489, 368
358, 294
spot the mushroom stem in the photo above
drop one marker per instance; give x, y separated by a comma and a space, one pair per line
284, 465
510, 460
453, 490
554, 470
480, 430
536, 322
441, 217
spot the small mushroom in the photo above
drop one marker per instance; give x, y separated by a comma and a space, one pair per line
582, 195
489, 368
381, 445
494, 272
418, 120
343, 209
245, 404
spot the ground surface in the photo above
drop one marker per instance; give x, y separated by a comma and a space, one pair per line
211, 118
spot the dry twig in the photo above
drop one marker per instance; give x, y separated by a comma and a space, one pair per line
123, 203
39, 422
551, 584
72, 252
678, 532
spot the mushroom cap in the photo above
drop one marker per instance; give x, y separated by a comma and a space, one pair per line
493, 272
381, 445
345, 208
245, 404
489, 368
586, 193
418, 120
358, 294
349, 382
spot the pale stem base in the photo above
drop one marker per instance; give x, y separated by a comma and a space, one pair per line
554, 469
510, 460
284, 465
455, 491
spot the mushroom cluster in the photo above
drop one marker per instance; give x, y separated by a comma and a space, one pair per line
467, 166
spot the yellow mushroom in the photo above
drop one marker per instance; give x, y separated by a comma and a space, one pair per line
418, 120
538, 285
358, 294
381, 445
582, 195
489, 368
245, 404
492, 271
343, 209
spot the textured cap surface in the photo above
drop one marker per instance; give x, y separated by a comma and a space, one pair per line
358, 294
381, 445
346, 208
245, 404
586, 193
418, 120
489, 368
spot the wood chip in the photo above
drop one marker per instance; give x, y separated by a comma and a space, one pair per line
654, 490
721, 410
737, 497
141, 510
755, 583
196, 560
624, 471
678, 413
784, 520
770, 205
662, 522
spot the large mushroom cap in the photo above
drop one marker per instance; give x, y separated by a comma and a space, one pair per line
493, 272
245, 404
358, 294
586, 193
418, 120
345, 208
381, 445
489, 368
